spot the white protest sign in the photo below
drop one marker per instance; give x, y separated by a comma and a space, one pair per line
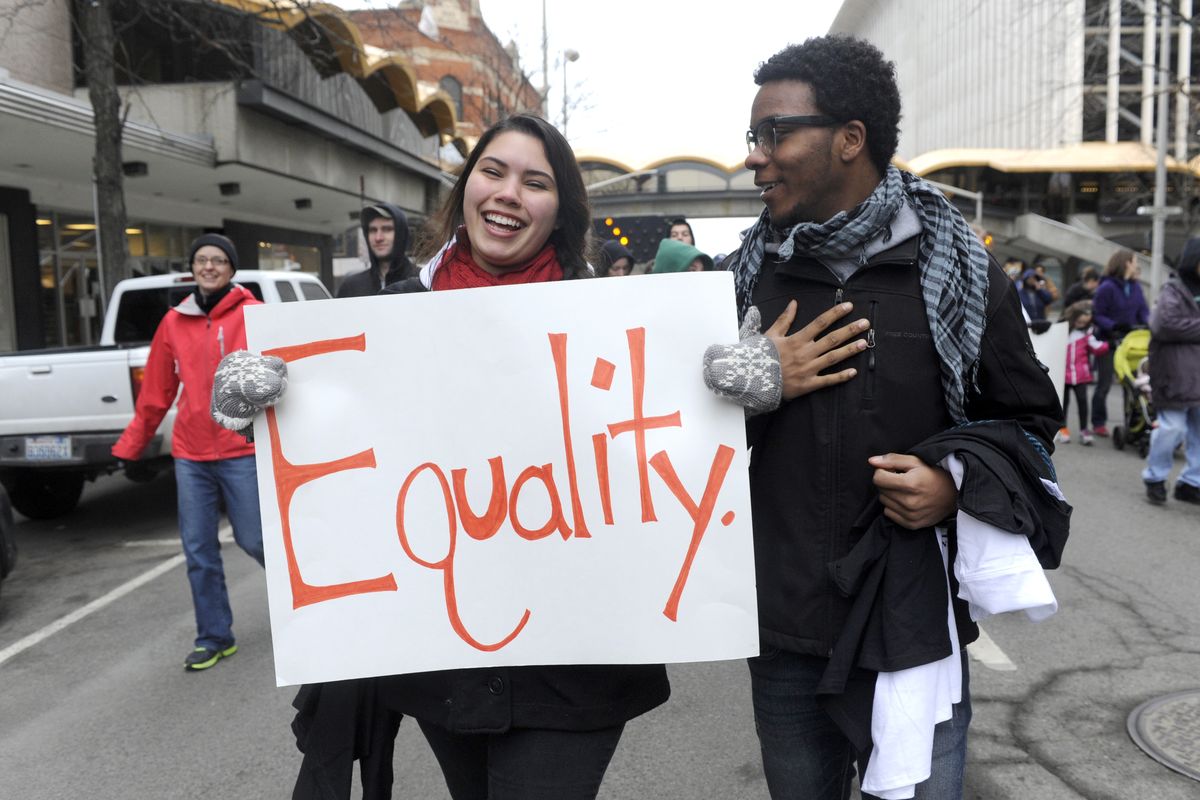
1051, 349
511, 475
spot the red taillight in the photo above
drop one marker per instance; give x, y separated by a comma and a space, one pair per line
137, 375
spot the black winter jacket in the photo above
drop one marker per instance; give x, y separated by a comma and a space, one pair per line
895, 576
367, 282
809, 476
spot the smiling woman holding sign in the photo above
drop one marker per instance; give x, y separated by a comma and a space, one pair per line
518, 214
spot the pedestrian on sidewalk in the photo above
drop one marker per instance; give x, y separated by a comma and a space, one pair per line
675, 255
1118, 307
681, 230
1034, 295
1082, 289
1175, 381
1082, 346
212, 464
615, 260
385, 230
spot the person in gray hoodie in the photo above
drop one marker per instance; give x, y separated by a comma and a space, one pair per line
1175, 381
385, 228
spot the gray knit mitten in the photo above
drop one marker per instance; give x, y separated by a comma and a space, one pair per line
245, 384
748, 373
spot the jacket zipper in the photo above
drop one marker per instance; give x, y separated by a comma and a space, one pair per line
831, 470
215, 436
869, 393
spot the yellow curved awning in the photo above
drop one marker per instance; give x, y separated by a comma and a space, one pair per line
388, 78
1083, 157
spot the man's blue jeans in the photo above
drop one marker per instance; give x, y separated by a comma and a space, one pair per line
1175, 425
806, 756
201, 486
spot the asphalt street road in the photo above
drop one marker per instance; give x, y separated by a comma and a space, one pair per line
101, 707
1127, 631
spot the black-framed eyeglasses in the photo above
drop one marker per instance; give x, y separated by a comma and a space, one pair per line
764, 135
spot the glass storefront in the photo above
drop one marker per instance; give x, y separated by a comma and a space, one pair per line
73, 298
291, 257
73, 295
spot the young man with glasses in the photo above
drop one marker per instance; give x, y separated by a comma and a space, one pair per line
212, 464
935, 341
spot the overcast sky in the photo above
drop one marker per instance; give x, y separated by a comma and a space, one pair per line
654, 78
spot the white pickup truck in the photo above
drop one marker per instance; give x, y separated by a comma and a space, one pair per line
61, 410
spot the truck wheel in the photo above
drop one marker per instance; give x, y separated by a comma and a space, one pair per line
40, 494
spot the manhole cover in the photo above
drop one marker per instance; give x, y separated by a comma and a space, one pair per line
1168, 729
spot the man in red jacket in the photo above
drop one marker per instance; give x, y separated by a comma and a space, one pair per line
211, 463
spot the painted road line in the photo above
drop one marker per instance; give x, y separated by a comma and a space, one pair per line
988, 653
225, 536
59, 624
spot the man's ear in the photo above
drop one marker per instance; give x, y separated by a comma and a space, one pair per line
852, 140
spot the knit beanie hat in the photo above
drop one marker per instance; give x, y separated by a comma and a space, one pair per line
613, 251
675, 256
214, 240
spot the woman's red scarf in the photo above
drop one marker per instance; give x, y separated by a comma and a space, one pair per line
458, 269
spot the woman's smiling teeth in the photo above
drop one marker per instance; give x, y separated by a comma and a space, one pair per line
493, 218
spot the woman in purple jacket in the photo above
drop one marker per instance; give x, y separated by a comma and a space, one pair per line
1119, 307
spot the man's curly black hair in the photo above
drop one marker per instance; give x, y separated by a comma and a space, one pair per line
850, 80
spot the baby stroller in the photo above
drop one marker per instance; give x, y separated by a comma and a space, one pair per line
1129, 367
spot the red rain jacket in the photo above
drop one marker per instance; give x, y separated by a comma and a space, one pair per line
186, 349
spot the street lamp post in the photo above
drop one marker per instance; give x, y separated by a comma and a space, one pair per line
568, 56
1160, 211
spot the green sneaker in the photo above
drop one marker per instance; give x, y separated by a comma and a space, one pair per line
205, 657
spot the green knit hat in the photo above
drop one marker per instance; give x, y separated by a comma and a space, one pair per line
675, 256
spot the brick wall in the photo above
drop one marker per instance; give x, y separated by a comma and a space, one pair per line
466, 50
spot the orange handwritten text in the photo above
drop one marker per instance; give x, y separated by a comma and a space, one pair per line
446, 565
289, 477
481, 522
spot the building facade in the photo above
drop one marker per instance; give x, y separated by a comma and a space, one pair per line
1045, 112
452, 50
1029, 73
271, 124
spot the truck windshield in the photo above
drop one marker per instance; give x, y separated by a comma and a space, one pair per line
141, 310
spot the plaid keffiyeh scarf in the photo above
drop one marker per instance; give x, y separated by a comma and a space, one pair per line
953, 264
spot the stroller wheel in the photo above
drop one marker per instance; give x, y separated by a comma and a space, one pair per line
1118, 437
1144, 448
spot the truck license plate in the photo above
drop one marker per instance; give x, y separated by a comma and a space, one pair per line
48, 448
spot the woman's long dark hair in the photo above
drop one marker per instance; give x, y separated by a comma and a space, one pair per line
571, 236
1117, 263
